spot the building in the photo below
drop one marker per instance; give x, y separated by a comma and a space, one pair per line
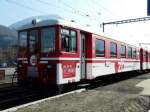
8, 45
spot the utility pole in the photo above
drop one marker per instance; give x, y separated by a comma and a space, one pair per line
140, 44
125, 21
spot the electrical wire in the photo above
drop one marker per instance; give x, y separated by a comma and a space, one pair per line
24, 6
111, 14
76, 12
54, 5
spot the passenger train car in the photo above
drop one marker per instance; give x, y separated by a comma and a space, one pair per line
53, 51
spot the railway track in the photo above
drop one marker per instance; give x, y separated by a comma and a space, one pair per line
15, 95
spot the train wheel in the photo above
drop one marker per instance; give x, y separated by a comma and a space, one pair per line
70, 87
21, 83
60, 89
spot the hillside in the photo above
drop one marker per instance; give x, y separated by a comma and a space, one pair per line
7, 37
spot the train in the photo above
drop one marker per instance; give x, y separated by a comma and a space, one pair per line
53, 51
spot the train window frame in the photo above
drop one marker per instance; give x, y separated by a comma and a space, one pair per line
122, 54
33, 37
25, 41
134, 53
130, 52
149, 56
115, 53
144, 54
68, 40
52, 43
103, 49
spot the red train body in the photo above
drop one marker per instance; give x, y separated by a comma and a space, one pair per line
55, 52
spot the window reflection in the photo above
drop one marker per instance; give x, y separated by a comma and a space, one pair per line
22, 40
68, 40
33, 41
48, 40
113, 49
100, 47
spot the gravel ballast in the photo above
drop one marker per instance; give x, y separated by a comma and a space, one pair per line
122, 96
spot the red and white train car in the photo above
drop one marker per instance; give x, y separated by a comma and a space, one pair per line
145, 59
54, 51
110, 56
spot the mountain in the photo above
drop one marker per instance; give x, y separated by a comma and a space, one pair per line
8, 36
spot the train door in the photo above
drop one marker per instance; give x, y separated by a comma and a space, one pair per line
141, 59
32, 70
82, 56
146, 60
33, 47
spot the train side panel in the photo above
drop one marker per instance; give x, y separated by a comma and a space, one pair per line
105, 65
144, 59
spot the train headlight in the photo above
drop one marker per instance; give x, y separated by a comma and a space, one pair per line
19, 65
49, 66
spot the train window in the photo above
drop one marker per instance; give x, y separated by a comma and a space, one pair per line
22, 40
100, 48
73, 41
144, 54
33, 40
123, 51
129, 52
68, 40
48, 40
134, 53
113, 49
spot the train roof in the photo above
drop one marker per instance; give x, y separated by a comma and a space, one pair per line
39, 21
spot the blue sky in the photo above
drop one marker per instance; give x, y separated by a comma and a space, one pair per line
98, 10
91, 12
15, 10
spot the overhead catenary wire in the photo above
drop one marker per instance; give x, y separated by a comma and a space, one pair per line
25, 6
39, 11
125, 21
93, 8
98, 13
73, 11
54, 5
103, 8
76, 12
67, 5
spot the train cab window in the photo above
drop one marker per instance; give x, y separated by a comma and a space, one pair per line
134, 53
113, 49
129, 52
100, 48
22, 40
33, 41
149, 56
48, 40
68, 40
123, 51
144, 54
